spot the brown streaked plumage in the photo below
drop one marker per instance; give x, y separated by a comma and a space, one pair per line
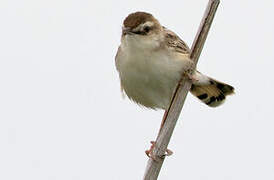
175, 42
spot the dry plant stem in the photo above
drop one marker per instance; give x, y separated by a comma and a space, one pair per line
154, 166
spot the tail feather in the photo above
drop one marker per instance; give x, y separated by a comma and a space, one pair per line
213, 93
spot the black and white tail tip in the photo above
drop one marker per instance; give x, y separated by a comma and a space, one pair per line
212, 94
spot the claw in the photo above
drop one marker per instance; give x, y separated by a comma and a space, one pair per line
168, 152
150, 155
149, 152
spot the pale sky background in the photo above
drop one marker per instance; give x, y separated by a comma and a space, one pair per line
62, 116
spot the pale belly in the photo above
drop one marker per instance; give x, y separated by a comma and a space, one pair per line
150, 80
152, 91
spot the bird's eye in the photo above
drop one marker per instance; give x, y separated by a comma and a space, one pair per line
147, 29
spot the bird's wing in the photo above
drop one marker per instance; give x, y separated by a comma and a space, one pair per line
173, 41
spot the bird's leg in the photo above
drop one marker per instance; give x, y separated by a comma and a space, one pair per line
190, 74
149, 152
163, 120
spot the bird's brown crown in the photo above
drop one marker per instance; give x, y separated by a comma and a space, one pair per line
135, 19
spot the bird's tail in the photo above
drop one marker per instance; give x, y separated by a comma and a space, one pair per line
210, 91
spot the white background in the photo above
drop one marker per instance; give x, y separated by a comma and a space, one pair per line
62, 116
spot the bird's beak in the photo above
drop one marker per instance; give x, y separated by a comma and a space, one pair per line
126, 30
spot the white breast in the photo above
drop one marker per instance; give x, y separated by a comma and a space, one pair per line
149, 77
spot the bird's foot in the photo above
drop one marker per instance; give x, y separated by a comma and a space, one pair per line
152, 156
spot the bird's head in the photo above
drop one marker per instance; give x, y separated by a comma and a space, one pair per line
141, 29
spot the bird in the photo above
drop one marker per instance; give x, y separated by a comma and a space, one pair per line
151, 60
